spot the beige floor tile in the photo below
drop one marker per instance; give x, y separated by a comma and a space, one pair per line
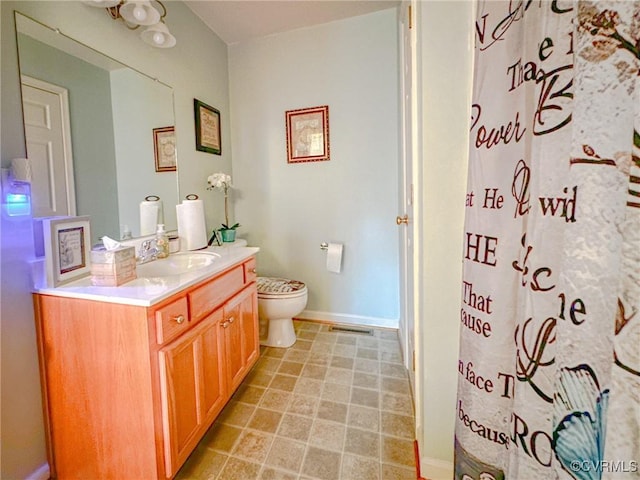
326, 337
346, 339
336, 393
394, 472
295, 427
359, 468
308, 386
269, 473
398, 451
286, 454
302, 344
319, 358
328, 435
268, 364
253, 446
395, 385
297, 356
307, 335
283, 382
248, 394
342, 362
345, 350
321, 464
398, 425
317, 372
362, 442
366, 380
265, 420
393, 370
236, 413
366, 365
364, 417
339, 375
290, 368
336, 412
368, 342
238, 469
303, 405
368, 353
221, 437
365, 397
397, 403
277, 400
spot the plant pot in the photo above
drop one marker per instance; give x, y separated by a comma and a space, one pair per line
228, 235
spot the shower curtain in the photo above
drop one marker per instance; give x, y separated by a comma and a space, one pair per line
549, 363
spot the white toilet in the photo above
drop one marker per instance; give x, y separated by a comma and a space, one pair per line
279, 300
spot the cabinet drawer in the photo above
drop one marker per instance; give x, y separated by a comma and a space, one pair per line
204, 299
172, 320
250, 274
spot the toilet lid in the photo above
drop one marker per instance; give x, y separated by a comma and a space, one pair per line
279, 286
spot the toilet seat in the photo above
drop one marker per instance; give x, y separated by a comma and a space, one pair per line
274, 287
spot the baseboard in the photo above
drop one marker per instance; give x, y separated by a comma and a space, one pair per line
435, 469
349, 319
41, 473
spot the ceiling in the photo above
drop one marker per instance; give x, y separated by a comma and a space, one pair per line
235, 21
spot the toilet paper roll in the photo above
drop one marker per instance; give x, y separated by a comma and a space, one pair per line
192, 229
151, 214
334, 257
21, 169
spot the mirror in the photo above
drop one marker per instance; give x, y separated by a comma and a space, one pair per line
121, 147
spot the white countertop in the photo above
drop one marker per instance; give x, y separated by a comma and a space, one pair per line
143, 292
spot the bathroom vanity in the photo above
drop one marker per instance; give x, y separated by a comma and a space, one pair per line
133, 376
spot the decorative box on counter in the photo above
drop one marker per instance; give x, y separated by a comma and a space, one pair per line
110, 268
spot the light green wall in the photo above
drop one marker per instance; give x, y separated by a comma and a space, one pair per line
290, 209
196, 68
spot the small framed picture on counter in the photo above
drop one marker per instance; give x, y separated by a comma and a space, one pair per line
67, 243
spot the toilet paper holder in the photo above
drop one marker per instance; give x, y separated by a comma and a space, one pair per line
324, 246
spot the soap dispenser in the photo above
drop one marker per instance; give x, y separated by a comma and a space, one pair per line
162, 241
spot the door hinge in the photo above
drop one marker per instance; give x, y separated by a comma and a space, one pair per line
414, 361
410, 17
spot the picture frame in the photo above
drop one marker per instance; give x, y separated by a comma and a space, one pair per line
164, 149
67, 245
208, 136
307, 134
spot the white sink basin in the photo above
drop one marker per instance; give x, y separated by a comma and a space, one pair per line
177, 264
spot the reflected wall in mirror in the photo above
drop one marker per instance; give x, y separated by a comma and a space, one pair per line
100, 160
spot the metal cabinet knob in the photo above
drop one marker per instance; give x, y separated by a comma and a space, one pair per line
400, 220
179, 319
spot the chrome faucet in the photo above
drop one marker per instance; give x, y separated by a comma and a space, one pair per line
148, 251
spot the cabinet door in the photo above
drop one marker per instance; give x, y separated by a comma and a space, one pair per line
192, 388
240, 328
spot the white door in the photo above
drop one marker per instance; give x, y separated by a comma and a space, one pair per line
405, 219
48, 136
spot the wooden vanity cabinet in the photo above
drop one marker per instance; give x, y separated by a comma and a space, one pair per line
129, 391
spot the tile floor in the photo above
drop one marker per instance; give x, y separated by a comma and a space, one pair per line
334, 406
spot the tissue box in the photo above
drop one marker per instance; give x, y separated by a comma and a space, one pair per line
113, 267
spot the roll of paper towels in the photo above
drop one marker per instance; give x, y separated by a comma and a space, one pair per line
334, 257
192, 228
151, 214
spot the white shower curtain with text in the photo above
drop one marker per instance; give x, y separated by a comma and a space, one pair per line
549, 363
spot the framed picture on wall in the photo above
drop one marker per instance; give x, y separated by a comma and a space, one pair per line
164, 149
207, 128
67, 242
307, 134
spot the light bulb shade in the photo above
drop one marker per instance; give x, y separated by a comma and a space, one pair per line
139, 12
158, 36
101, 3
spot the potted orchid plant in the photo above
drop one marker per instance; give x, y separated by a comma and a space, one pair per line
222, 181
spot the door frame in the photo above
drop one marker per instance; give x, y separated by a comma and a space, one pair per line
65, 121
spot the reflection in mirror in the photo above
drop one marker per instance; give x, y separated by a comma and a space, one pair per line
89, 125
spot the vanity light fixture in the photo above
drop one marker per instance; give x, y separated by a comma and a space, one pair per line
136, 13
